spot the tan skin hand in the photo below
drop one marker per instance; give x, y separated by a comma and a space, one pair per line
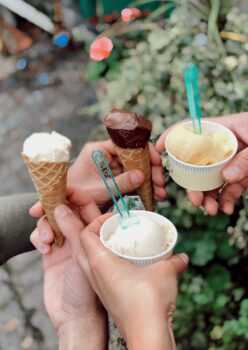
235, 173
84, 175
68, 295
83, 172
130, 294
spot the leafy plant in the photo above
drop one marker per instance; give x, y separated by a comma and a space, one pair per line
212, 302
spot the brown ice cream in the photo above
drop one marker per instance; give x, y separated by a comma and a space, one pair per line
128, 130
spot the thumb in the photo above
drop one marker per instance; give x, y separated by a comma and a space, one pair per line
36, 210
179, 262
69, 224
130, 180
237, 169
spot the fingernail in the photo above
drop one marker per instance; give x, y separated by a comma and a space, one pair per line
228, 208
135, 178
61, 211
233, 174
184, 257
45, 234
42, 249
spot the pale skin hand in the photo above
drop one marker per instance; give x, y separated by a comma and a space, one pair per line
71, 303
235, 173
140, 300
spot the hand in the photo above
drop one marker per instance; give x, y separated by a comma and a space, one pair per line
84, 173
71, 303
235, 173
140, 300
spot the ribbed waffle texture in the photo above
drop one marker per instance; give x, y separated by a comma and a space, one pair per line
139, 158
49, 180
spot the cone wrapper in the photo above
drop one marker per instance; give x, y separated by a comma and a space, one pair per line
49, 180
139, 158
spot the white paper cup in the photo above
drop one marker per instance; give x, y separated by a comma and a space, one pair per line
111, 224
196, 177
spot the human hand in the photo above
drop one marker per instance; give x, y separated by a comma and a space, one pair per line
84, 173
85, 177
71, 303
235, 173
140, 300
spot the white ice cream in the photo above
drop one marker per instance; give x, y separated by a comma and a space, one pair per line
147, 238
45, 147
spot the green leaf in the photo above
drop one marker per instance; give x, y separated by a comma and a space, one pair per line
95, 70
244, 308
219, 278
225, 250
203, 252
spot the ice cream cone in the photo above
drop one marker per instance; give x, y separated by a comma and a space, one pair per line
49, 179
139, 158
130, 133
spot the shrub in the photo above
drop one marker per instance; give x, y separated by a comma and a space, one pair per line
212, 303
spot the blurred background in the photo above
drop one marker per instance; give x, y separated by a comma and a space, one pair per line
51, 78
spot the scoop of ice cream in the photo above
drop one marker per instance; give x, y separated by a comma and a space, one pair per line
45, 147
147, 238
128, 130
203, 149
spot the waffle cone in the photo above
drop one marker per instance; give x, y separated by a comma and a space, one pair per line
139, 158
49, 180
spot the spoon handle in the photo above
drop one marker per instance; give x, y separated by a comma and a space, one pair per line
193, 95
109, 181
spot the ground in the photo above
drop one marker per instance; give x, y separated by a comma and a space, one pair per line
49, 95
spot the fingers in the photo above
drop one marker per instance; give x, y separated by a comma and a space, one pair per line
195, 197
206, 199
157, 175
154, 156
160, 144
179, 262
158, 180
230, 194
210, 202
96, 253
130, 180
237, 169
36, 210
43, 246
87, 207
68, 223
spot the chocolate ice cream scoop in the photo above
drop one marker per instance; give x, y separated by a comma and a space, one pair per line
128, 130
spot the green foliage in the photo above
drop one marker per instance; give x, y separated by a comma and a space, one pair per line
151, 77
211, 292
212, 311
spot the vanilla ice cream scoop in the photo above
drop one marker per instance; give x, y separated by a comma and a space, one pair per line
47, 147
146, 238
195, 149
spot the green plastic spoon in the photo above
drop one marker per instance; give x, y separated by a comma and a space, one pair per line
193, 96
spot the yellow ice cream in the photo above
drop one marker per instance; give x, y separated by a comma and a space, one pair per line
204, 149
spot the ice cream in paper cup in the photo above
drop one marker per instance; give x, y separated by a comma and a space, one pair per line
150, 240
196, 161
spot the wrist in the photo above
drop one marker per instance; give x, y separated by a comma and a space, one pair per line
89, 332
150, 327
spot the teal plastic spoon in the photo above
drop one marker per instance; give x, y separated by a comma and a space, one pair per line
106, 174
193, 95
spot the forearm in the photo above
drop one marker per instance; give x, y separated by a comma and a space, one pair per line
150, 330
90, 334
16, 225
